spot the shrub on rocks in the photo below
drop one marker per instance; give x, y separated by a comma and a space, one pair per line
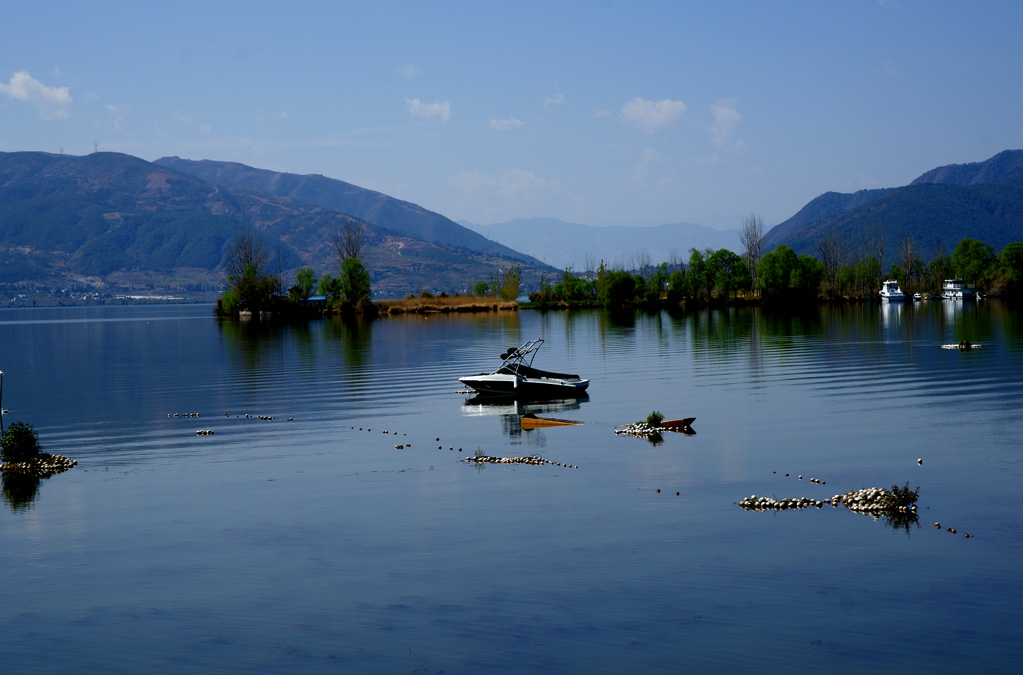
20, 443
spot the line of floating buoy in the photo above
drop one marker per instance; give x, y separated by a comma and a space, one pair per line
204, 432
816, 481
183, 414
952, 530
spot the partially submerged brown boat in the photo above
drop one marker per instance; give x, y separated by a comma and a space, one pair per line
534, 422
678, 424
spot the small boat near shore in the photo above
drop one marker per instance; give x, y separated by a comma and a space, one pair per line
517, 377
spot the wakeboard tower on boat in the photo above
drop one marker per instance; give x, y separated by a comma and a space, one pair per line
517, 377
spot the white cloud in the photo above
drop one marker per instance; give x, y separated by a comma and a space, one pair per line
506, 124
557, 99
409, 72
441, 109
649, 116
51, 101
726, 117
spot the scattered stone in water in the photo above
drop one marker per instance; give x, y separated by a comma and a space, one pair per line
640, 430
532, 460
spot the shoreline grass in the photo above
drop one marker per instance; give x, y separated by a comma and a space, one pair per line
452, 303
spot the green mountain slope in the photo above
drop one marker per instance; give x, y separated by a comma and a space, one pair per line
102, 217
366, 205
983, 201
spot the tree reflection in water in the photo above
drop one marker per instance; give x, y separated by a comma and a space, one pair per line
20, 490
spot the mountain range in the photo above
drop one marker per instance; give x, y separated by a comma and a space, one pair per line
109, 220
980, 200
113, 220
562, 244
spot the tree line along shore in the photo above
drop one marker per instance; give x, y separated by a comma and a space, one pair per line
840, 271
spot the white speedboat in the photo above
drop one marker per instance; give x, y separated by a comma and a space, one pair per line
890, 291
517, 377
917, 297
955, 289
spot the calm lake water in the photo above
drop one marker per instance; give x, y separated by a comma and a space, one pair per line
315, 545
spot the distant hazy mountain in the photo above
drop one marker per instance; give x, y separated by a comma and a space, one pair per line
336, 195
981, 200
562, 244
108, 219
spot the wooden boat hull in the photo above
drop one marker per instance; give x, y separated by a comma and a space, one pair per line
679, 423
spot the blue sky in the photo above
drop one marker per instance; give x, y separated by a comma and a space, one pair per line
604, 113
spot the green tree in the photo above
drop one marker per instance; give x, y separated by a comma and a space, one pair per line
329, 288
251, 282
510, 283
20, 443
973, 261
619, 289
728, 271
1011, 265
481, 289
353, 281
305, 282
808, 276
679, 287
774, 273
939, 269
698, 272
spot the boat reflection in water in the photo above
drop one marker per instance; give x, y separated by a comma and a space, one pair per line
512, 409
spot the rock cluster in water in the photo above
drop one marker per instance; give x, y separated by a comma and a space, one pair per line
640, 429
43, 466
869, 500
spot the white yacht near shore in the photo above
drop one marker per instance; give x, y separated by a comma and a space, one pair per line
955, 289
890, 291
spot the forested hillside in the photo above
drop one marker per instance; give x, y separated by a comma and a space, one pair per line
367, 205
982, 200
112, 220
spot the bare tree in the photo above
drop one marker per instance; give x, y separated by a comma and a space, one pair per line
247, 248
831, 251
347, 240
674, 259
751, 236
875, 241
907, 256
644, 266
